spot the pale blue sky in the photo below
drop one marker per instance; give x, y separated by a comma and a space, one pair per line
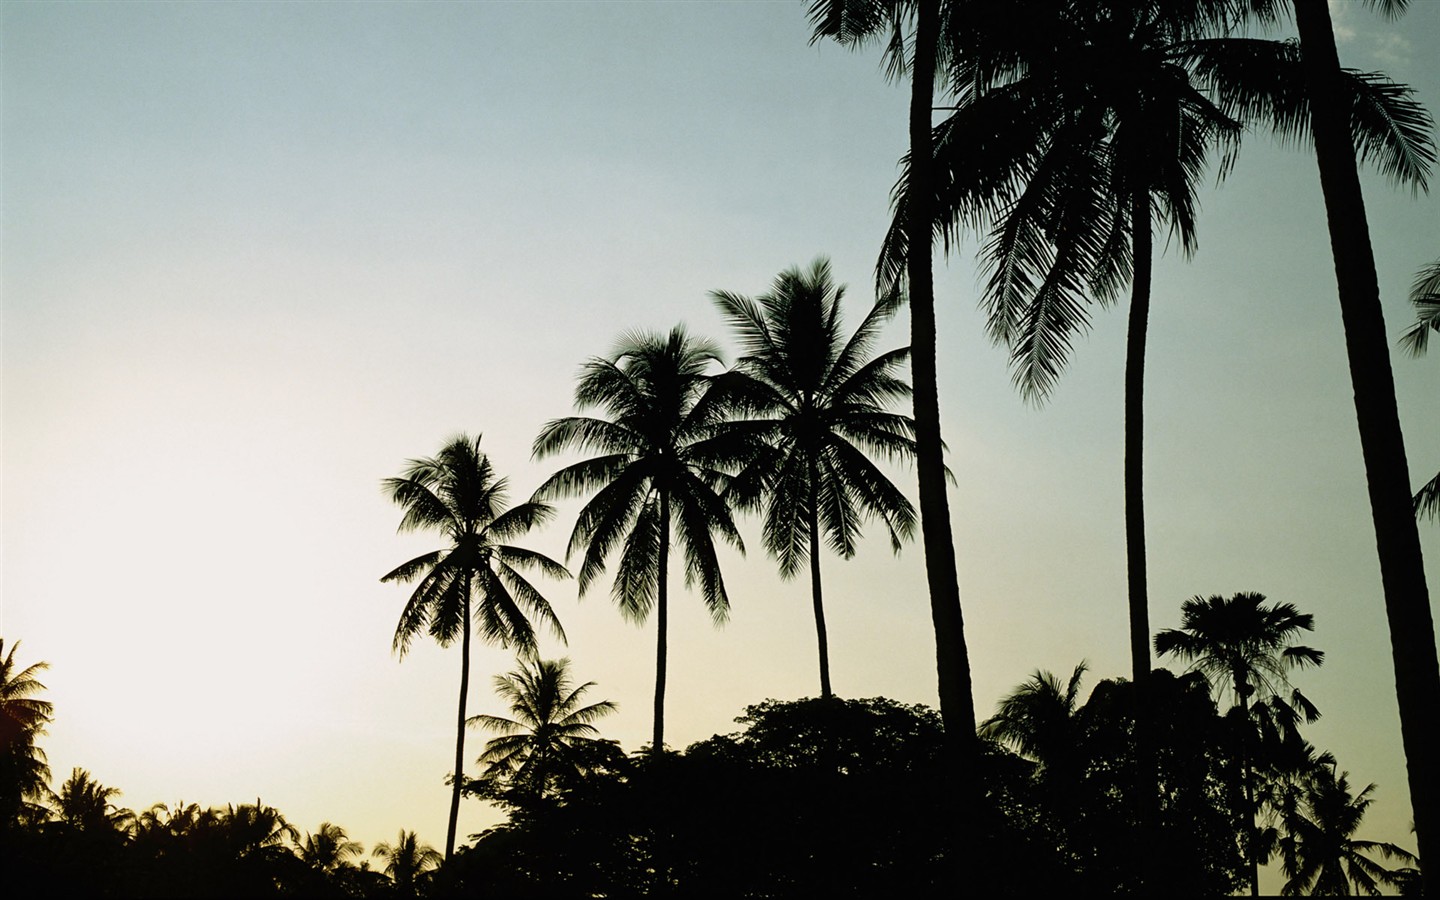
257, 255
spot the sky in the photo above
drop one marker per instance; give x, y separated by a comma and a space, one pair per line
258, 255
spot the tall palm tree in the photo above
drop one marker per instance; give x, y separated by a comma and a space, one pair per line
1245, 648
549, 729
661, 469
818, 400
856, 23
1332, 111
1425, 294
1318, 851
406, 860
24, 773
475, 581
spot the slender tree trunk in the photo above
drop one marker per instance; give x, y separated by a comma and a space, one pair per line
814, 524
952, 658
662, 616
1145, 778
1247, 794
1402, 568
460, 725
1135, 438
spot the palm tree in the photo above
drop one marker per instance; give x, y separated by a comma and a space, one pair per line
476, 577
406, 860
1318, 852
548, 732
1332, 110
329, 848
1037, 719
87, 806
24, 774
1245, 648
661, 467
1425, 294
818, 401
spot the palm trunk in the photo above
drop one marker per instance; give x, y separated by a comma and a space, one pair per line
1402, 568
814, 524
1135, 438
460, 725
1247, 794
1146, 777
952, 658
662, 617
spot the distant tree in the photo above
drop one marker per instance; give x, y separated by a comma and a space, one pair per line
819, 401
544, 740
86, 805
24, 774
663, 464
406, 861
1318, 851
1245, 648
329, 848
475, 581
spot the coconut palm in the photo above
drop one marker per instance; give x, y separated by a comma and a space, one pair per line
406, 860
85, 805
1318, 851
1095, 133
1245, 648
1326, 112
818, 402
661, 469
329, 848
1425, 294
475, 581
1037, 719
24, 774
550, 727
911, 32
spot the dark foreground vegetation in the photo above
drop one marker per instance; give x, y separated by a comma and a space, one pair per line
815, 797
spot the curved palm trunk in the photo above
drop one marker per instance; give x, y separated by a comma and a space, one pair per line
1402, 568
662, 618
952, 658
460, 727
814, 524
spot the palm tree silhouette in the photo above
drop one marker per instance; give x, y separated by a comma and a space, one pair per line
548, 729
855, 23
1331, 111
1094, 129
1318, 851
329, 848
24, 773
1425, 294
818, 401
1037, 719
85, 805
406, 860
476, 577
662, 462
1245, 648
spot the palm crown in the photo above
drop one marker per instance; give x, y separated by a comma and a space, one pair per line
664, 459
817, 403
550, 723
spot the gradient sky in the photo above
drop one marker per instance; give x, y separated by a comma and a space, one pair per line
255, 256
